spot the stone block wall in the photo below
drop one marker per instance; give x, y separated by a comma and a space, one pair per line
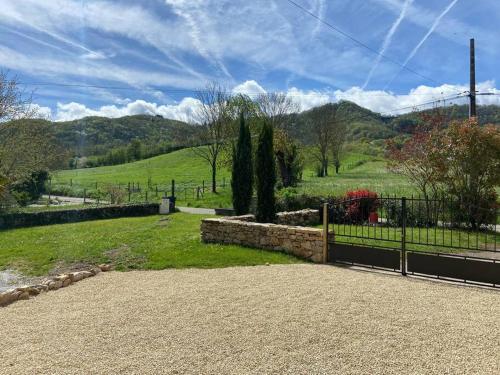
303, 242
299, 218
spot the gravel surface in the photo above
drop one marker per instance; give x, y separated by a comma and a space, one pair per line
297, 319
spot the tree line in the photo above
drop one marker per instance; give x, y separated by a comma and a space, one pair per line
136, 150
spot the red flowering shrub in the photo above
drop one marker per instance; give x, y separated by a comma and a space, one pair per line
359, 204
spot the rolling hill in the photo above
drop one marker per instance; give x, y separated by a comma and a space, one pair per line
96, 135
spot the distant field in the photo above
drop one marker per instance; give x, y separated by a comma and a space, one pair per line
189, 171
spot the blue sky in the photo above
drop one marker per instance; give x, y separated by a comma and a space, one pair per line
148, 56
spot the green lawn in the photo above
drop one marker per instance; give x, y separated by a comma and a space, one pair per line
189, 171
153, 242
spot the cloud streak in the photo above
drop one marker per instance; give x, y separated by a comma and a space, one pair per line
388, 40
424, 39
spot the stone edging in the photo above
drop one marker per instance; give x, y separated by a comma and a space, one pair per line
51, 283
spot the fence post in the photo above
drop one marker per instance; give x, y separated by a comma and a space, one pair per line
173, 188
203, 186
325, 233
84, 196
129, 193
50, 188
146, 196
403, 236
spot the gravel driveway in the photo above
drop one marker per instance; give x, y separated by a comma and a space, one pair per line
298, 319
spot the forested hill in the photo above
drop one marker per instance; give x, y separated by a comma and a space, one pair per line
97, 135
363, 124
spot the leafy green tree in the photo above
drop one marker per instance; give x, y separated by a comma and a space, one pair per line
135, 150
265, 173
242, 173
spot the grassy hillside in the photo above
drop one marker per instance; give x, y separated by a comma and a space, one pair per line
359, 170
184, 166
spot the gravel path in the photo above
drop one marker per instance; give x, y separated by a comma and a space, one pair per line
298, 319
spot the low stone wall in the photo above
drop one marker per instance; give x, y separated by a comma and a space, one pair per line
29, 219
306, 243
299, 218
49, 284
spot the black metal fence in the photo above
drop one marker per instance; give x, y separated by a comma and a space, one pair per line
444, 238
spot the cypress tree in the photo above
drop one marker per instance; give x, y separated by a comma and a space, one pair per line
265, 172
242, 173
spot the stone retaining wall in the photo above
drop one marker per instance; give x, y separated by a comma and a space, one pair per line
306, 243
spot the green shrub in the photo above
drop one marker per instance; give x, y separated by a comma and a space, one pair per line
265, 172
242, 173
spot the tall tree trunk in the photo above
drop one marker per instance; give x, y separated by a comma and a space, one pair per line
284, 172
214, 175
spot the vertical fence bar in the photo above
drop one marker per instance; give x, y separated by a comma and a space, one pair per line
403, 236
325, 233
173, 188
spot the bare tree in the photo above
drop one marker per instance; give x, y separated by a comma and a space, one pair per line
276, 109
15, 103
323, 121
337, 142
213, 118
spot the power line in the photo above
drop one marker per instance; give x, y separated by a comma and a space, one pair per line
194, 91
358, 42
394, 111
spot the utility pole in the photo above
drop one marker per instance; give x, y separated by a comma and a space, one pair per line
472, 90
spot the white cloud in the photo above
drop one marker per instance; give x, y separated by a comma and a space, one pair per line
41, 112
183, 111
250, 88
308, 99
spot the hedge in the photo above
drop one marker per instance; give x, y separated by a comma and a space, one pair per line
29, 219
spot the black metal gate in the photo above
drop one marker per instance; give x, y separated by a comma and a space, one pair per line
439, 238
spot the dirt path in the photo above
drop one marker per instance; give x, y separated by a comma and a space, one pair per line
300, 319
